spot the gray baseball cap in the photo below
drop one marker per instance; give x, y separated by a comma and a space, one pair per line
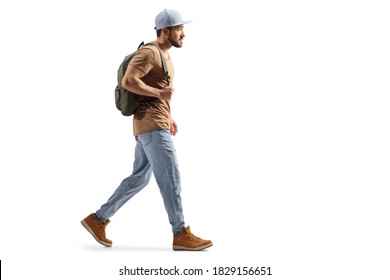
169, 18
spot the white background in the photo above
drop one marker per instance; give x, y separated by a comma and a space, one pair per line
283, 112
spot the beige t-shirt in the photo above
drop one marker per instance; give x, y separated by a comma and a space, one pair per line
152, 114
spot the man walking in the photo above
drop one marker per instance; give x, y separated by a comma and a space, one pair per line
153, 127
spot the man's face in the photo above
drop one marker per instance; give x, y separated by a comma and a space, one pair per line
176, 36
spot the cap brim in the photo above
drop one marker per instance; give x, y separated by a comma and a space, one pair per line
183, 22
180, 23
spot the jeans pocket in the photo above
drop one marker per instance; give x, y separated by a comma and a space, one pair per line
145, 139
166, 141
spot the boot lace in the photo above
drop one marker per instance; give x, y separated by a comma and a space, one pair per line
192, 237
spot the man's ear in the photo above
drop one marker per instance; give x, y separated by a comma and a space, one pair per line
166, 31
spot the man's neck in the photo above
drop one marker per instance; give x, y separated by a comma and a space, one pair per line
163, 45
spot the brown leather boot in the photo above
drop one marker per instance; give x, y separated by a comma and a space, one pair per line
97, 228
185, 240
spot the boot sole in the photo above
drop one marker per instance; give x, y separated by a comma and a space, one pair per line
181, 248
93, 234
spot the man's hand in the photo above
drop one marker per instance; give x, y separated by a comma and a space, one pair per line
173, 127
166, 93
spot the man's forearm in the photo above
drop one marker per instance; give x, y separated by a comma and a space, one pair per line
137, 86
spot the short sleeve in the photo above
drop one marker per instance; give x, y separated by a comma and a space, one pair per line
143, 60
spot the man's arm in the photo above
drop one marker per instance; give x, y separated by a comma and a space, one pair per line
132, 82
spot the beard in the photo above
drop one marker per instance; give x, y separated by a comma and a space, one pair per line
175, 43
